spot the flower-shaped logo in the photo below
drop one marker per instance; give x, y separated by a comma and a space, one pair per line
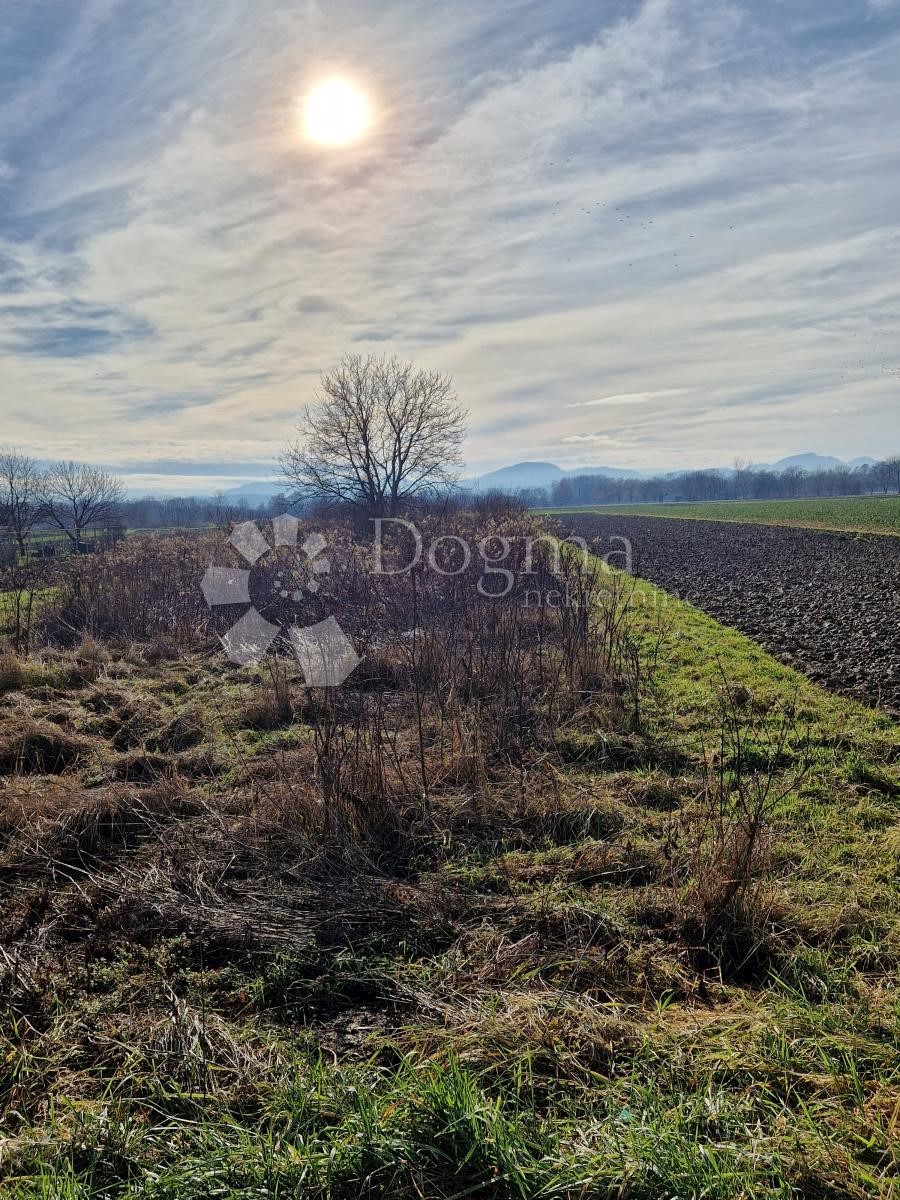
324, 651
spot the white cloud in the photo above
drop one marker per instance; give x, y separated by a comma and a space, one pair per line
595, 439
567, 215
628, 398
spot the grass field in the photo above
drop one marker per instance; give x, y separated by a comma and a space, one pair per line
508, 1011
854, 514
8, 603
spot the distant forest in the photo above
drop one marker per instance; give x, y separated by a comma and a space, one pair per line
744, 483
574, 491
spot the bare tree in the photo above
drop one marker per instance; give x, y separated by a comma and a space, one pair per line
223, 513
883, 475
77, 496
182, 512
743, 476
19, 494
380, 433
893, 470
794, 478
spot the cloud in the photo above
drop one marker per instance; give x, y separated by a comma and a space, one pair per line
626, 398
596, 439
683, 210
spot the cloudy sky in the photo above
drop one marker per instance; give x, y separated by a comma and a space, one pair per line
655, 234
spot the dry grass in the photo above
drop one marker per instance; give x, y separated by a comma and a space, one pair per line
36, 747
481, 921
722, 843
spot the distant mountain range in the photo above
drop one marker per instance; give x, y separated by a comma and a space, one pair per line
524, 475
540, 474
544, 474
255, 494
815, 462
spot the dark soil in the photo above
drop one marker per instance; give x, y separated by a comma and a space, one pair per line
827, 604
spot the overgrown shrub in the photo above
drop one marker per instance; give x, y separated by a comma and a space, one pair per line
723, 841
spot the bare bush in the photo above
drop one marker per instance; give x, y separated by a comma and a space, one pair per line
22, 584
141, 590
270, 706
722, 844
472, 663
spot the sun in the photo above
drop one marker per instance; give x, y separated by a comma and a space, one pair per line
336, 112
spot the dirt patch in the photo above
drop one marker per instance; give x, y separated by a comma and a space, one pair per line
824, 603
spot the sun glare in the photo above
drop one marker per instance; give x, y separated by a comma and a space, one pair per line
336, 113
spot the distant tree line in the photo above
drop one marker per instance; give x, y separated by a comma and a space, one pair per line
744, 483
77, 500
196, 512
174, 512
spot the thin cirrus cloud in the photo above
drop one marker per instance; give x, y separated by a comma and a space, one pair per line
627, 398
598, 439
566, 206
